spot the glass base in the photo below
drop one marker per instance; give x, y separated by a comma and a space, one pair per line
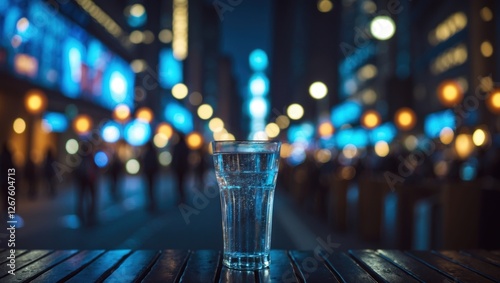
244, 261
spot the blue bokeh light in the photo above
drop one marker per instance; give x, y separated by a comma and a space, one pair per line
179, 117
101, 159
55, 122
258, 84
303, 133
435, 122
258, 60
170, 69
137, 132
355, 136
385, 132
347, 112
111, 132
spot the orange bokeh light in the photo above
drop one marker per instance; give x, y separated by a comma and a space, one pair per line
194, 141
165, 129
371, 119
82, 124
405, 118
450, 93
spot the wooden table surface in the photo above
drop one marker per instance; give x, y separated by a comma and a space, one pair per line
286, 266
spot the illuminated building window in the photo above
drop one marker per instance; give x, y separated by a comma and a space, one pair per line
449, 27
450, 58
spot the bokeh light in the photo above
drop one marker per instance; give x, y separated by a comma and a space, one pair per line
101, 159
405, 119
323, 155
144, 114
464, 146
493, 101
350, 151
325, 129
194, 140
258, 60
325, 6
19, 126
272, 130
450, 93
72, 146
282, 121
82, 124
486, 49
179, 91
318, 90
133, 166
446, 135
137, 133
205, 111
195, 98
382, 27
216, 124
165, 129
295, 111
371, 119
160, 140
121, 112
165, 158
479, 137
35, 101
111, 132
381, 148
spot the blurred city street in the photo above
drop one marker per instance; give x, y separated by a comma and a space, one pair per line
51, 223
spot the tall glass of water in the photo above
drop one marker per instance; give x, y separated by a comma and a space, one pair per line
246, 173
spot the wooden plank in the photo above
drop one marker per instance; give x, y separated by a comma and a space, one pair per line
484, 256
228, 275
411, 265
134, 267
4, 255
24, 260
30, 271
168, 267
452, 269
281, 269
69, 267
202, 266
380, 268
488, 270
347, 269
311, 268
102, 267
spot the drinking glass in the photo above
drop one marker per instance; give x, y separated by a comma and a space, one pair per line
246, 173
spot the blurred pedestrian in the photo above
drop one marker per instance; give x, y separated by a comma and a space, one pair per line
49, 172
180, 165
6, 166
31, 177
115, 170
151, 167
86, 178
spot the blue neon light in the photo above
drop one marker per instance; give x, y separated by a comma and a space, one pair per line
137, 133
258, 60
72, 71
55, 122
170, 69
179, 117
435, 122
347, 112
